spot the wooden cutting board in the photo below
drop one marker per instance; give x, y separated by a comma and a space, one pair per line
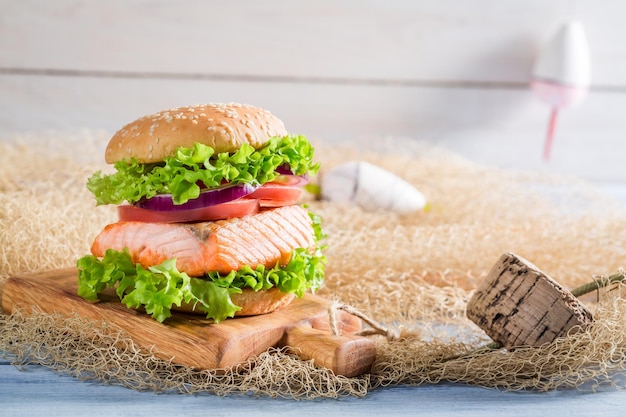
191, 340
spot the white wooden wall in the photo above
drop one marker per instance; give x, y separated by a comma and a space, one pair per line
453, 72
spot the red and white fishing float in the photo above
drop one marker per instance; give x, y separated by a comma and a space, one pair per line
562, 74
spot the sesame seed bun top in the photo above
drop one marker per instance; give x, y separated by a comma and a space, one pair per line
224, 127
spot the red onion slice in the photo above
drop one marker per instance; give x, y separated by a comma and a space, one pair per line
208, 197
284, 169
236, 208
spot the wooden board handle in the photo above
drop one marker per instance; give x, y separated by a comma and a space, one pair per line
347, 355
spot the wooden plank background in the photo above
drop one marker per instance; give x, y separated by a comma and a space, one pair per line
451, 72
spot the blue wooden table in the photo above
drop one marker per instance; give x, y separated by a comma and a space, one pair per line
38, 391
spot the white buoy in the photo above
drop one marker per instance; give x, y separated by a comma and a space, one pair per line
371, 188
562, 73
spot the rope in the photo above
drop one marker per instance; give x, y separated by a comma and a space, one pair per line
376, 327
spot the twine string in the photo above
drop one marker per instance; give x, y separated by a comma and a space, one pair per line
376, 327
599, 282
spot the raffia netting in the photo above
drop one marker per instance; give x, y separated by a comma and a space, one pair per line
412, 273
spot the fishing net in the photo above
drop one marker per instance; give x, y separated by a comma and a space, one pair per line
412, 274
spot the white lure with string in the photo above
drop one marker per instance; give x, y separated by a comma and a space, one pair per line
371, 188
562, 73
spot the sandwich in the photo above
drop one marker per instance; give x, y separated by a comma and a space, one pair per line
208, 215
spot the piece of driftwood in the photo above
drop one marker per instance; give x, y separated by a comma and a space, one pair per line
519, 305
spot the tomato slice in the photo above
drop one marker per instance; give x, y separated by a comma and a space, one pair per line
276, 195
236, 208
294, 180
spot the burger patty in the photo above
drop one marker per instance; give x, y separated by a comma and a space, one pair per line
264, 238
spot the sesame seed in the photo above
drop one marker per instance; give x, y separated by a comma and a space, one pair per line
194, 121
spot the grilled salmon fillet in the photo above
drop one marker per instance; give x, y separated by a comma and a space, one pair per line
264, 238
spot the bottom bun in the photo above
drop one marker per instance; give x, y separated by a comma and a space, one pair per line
252, 302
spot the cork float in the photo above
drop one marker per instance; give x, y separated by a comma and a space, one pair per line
519, 305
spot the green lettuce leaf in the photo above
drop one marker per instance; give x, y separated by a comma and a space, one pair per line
181, 174
156, 289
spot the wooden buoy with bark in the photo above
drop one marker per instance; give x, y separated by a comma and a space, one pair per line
519, 305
